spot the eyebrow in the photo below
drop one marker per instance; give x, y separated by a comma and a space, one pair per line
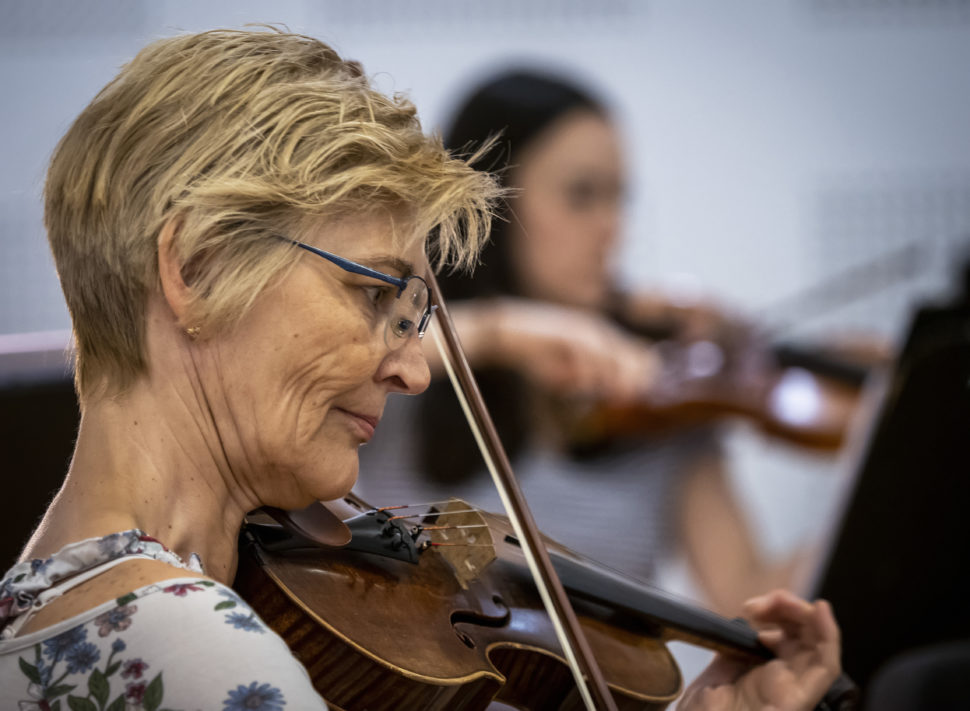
386, 262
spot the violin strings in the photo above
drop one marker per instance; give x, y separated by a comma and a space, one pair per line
467, 545
422, 529
381, 509
432, 513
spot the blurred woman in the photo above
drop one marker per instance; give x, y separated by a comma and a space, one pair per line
548, 332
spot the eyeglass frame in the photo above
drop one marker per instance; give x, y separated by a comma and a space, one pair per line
400, 282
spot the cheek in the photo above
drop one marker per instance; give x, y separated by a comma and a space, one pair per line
335, 369
294, 380
557, 231
335, 346
303, 442
538, 234
551, 250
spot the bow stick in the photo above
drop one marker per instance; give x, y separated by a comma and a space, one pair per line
595, 694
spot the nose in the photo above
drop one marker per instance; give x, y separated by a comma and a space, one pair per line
405, 369
608, 224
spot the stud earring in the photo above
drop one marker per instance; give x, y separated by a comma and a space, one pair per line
192, 332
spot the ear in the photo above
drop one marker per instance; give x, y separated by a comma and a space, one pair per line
177, 293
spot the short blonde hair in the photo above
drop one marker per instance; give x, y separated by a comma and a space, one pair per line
236, 135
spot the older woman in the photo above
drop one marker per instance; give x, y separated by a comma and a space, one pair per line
239, 224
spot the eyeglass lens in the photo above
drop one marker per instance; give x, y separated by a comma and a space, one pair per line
408, 312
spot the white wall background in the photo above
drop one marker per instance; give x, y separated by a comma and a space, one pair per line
773, 144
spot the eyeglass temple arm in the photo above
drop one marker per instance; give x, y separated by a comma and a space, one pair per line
350, 266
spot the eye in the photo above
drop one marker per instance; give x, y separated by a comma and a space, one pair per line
379, 296
401, 326
581, 195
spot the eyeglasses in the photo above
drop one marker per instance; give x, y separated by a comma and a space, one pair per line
409, 312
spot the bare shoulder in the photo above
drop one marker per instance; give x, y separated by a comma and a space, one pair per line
113, 583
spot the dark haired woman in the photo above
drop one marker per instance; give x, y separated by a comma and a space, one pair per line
545, 329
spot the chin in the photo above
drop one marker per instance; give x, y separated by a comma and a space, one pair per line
311, 483
339, 481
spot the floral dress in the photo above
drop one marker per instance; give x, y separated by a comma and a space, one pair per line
184, 643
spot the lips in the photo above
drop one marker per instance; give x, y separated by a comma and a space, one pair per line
365, 423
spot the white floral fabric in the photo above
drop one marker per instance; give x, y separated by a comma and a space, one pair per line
185, 643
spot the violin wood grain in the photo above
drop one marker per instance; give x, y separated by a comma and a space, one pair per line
347, 673
380, 634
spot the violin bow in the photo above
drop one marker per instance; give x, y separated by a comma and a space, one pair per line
589, 679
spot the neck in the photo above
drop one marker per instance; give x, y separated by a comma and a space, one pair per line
151, 458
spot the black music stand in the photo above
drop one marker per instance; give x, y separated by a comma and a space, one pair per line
898, 573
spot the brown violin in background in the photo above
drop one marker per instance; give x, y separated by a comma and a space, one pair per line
714, 366
804, 395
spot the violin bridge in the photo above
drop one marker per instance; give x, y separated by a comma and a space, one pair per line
462, 538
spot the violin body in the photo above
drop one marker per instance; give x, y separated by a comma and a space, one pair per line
380, 633
792, 404
807, 396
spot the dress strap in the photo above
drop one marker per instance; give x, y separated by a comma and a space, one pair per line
58, 589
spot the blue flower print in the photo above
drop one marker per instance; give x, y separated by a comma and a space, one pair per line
118, 646
81, 657
44, 672
253, 698
56, 648
242, 621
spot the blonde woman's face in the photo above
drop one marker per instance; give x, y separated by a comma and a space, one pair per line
306, 373
567, 215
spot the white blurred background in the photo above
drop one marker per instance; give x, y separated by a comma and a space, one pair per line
773, 144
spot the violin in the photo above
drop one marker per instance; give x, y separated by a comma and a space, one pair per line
805, 395
439, 611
